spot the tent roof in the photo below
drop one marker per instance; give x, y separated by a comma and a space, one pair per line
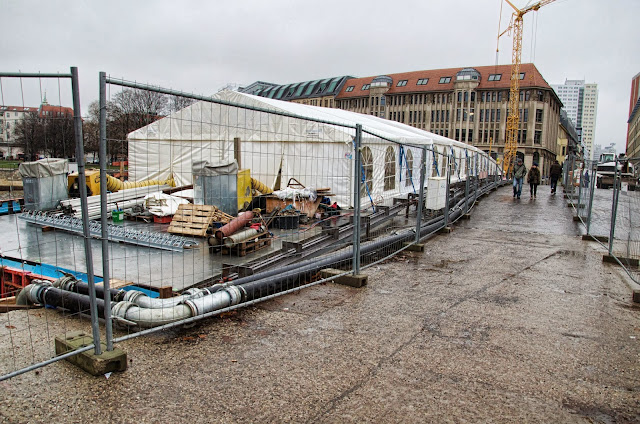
387, 129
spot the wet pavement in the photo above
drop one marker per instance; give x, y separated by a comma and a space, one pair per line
509, 318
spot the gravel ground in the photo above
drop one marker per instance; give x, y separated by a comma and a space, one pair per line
510, 318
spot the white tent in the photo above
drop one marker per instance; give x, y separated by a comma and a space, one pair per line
280, 135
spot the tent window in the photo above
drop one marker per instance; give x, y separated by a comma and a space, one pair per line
409, 171
389, 169
367, 170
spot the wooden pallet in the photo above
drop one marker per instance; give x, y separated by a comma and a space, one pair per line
249, 246
192, 220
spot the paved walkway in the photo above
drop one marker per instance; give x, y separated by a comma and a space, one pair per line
510, 318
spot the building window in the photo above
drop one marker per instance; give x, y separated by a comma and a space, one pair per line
521, 76
367, 170
527, 95
540, 96
409, 170
365, 87
350, 88
500, 96
495, 77
401, 83
537, 137
538, 115
493, 115
459, 96
447, 115
389, 169
422, 81
497, 115
481, 115
470, 139
466, 96
493, 96
486, 115
444, 80
458, 134
473, 96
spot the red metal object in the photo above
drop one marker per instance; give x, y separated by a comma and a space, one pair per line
162, 219
13, 280
234, 225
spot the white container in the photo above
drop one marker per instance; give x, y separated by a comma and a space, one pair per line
436, 195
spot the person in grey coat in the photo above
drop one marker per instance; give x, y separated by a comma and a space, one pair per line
519, 172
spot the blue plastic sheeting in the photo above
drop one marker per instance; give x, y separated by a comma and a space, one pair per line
54, 272
45, 269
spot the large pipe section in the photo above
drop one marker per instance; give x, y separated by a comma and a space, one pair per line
114, 184
234, 225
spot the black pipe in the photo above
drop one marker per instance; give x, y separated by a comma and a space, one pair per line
82, 287
288, 278
74, 302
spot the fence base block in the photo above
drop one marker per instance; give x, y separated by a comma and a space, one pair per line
445, 230
357, 281
576, 218
601, 239
466, 216
627, 261
636, 296
414, 247
115, 360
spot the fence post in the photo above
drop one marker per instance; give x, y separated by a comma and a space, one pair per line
594, 169
579, 190
614, 208
356, 200
106, 284
477, 176
446, 199
77, 125
423, 172
466, 185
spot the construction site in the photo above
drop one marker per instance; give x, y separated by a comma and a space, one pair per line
309, 264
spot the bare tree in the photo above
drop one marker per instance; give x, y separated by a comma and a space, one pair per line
51, 136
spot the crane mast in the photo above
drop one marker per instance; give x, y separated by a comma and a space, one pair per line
513, 117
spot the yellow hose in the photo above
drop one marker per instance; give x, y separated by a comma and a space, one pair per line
114, 184
258, 186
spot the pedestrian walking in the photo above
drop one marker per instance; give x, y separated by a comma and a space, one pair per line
519, 171
554, 174
586, 179
533, 179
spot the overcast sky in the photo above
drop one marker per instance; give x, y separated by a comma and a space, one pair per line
201, 46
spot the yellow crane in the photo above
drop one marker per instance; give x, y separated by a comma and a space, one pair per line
513, 118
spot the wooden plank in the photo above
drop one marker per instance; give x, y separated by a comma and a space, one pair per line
116, 283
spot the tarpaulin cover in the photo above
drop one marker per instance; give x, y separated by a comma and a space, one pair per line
206, 169
43, 168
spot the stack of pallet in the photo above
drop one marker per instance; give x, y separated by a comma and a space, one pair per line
194, 220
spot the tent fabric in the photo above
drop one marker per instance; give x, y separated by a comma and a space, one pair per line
320, 153
43, 168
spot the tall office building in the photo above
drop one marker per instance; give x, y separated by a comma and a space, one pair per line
633, 149
581, 104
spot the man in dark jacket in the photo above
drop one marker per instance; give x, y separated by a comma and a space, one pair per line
519, 172
554, 173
